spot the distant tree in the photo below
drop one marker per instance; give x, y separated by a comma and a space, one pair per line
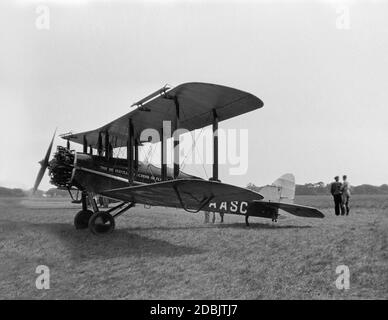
253, 187
7, 192
54, 192
369, 189
384, 188
311, 189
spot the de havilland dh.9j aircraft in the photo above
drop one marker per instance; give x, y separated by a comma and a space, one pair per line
95, 172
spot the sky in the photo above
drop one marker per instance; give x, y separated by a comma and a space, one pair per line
320, 67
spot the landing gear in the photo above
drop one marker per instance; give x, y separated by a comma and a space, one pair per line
101, 223
81, 219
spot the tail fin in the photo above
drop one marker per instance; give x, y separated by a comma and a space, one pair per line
281, 190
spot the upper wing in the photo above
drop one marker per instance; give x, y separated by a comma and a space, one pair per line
196, 102
188, 194
295, 209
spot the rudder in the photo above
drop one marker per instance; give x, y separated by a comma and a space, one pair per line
281, 190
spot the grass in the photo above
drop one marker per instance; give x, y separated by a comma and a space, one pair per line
164, 253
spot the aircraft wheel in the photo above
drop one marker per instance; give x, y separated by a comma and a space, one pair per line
81, 219
101, 223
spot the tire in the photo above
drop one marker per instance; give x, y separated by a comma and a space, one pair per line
81, 219
101, 223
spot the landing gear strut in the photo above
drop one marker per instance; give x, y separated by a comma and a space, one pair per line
81, 219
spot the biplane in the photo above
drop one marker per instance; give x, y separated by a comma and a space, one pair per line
128, 181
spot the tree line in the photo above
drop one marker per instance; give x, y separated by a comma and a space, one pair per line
324, 189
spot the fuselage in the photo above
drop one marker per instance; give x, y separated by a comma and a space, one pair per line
95, 174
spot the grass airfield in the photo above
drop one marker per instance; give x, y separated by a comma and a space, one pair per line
162, 253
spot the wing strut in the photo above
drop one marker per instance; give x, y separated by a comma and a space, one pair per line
176, 136
130, 151
215, 146
85, 144
99, 147
163, 152
176, 125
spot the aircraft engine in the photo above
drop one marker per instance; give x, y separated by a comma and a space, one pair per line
61, 168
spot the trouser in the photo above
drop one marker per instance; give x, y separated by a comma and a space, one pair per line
345, 203
207, 213
214, 217
338, 204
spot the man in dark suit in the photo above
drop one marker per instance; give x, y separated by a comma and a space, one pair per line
336, 191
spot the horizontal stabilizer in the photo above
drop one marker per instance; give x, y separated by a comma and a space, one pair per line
294, 209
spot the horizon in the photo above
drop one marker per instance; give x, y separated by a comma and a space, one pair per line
258, 186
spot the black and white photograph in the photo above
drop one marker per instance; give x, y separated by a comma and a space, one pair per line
194, 154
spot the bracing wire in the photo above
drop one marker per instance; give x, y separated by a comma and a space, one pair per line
193, 145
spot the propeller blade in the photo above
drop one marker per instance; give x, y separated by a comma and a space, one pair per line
48, 153
43, 165
39, 178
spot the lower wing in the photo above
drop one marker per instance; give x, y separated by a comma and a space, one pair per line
189, 194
